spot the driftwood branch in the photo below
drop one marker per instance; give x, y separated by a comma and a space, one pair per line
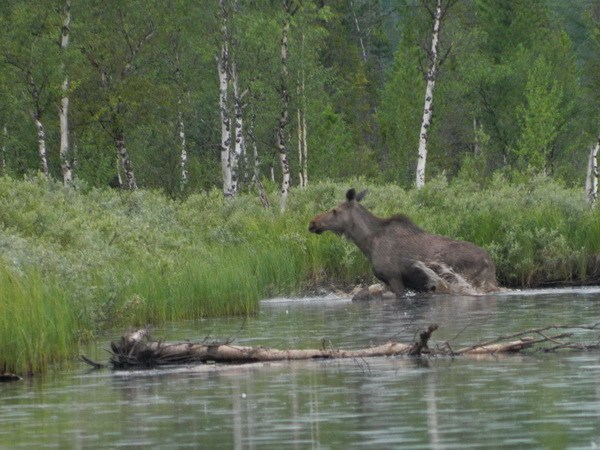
523, 335
136, 349
89, 362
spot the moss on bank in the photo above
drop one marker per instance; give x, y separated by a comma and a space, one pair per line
88, 259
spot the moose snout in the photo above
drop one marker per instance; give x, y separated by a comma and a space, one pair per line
313, 227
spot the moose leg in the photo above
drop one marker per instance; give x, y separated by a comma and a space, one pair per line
394, 283
396, 286
422, 278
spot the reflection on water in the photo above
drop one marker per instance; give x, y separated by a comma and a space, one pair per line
522, 401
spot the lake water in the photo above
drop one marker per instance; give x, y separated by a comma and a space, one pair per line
535, 400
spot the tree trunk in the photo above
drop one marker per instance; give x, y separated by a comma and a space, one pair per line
262, 194
239, 153
476, 144
37, 120
222, 66
304, 167
301, 125
3, 156
41, 137
428, 106
359, 33
65, 163
183, 159
591, 181
282, 144
125, 161
118, 166
302, 150
300, 138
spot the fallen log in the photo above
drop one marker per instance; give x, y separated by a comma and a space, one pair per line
136, 349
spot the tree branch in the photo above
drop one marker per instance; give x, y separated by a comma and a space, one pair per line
135, 50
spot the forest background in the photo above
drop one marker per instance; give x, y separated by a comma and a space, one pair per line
203, 114
517, 89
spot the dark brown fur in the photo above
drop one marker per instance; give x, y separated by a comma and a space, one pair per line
403, 255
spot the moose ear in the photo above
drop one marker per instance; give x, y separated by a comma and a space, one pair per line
361, 195
351, 194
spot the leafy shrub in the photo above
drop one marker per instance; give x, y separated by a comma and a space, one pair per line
114, 259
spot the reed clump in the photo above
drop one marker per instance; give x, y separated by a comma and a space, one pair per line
88, 259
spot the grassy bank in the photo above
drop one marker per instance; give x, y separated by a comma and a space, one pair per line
72, 263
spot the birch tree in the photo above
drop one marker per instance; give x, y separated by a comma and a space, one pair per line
4, 151
115, 52
239, 156
36, 114
30, 50
290, 8
188, 56
437, 13
591, 81
183, 160
301, 124
591, 180
65, 162
223, 70
181, 129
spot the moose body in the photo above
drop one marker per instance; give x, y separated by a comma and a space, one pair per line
403, 255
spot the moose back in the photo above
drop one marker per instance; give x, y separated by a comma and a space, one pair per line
404, 256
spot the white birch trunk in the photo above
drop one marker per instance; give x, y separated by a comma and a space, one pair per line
65, 163
282, 147
591, 181
125, 161
301, 126
3, 156
222, 64
427, 108
239, 153
37, 120
183, 159
304, 149
262, 194
41, 137
300, 153
360, 39
119, 177
476, 146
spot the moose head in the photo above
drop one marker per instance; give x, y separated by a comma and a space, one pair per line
339, 218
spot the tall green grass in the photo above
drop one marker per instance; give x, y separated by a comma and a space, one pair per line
73, 263
38, 326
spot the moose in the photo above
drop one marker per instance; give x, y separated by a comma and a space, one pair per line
403, 256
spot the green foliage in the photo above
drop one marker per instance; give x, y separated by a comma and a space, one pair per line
77, 262
516, 90
540, 116
517, 98
399, 115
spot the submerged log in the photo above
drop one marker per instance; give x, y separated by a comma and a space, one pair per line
136, 349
